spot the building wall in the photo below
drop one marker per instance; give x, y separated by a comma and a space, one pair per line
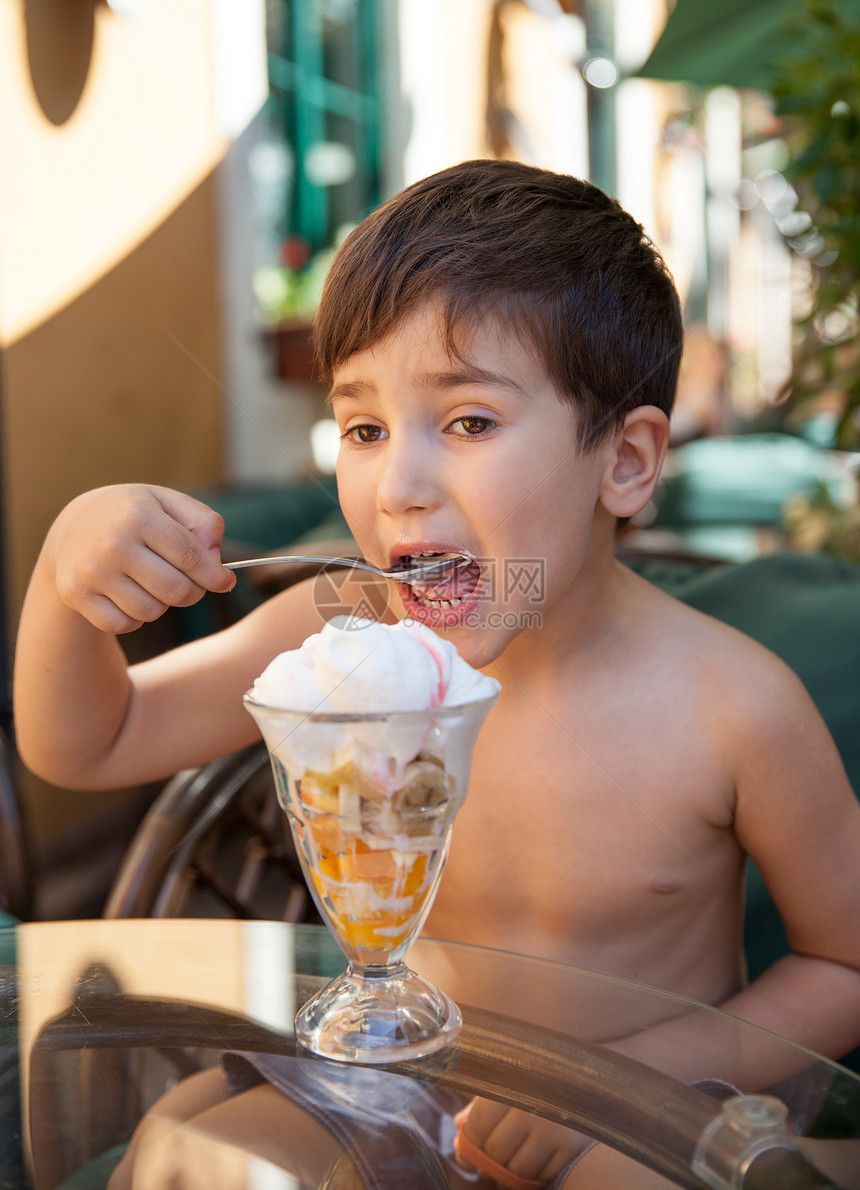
107, 256
455, 53
110, 344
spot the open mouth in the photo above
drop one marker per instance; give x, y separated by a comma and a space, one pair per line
446, 588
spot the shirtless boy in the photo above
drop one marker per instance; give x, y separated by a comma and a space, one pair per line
503, 346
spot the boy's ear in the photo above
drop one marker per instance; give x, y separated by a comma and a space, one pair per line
634, 461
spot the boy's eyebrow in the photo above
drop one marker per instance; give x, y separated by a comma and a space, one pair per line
455, 377
353, 389
468, 373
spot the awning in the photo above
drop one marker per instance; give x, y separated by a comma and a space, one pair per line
733, 43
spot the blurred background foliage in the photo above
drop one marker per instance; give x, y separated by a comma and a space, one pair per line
817, 93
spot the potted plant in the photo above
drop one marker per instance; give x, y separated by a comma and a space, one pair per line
287, 296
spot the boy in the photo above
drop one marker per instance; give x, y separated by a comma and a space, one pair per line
503, 345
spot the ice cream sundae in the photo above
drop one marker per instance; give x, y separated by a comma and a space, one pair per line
370, 777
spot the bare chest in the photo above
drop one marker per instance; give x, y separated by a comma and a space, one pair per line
591, 846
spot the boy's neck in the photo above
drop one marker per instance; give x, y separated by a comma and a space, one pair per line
584, 619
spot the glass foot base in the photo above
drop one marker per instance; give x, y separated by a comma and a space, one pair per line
381, 1014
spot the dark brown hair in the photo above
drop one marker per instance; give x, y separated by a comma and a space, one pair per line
556, 259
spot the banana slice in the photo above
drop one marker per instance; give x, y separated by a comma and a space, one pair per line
424, 784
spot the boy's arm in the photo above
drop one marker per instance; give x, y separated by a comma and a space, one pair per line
796, 815
798, 818
115, 558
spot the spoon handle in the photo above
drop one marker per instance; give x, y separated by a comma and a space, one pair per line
409, 574
269, 560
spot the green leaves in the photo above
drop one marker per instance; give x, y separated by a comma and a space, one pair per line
817, 93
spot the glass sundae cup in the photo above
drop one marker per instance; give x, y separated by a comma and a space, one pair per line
371, 801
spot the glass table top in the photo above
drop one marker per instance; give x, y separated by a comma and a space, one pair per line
99, 1021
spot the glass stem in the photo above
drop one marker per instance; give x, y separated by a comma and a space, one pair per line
374, 971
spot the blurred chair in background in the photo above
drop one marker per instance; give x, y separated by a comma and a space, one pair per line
726, 495
16, 903
17, 887
215, 843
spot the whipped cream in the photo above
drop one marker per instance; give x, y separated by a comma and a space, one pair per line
357, 666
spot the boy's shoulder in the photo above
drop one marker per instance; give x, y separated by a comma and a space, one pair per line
700, 638
736, 675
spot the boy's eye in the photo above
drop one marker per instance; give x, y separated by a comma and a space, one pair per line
363, 433
473, 425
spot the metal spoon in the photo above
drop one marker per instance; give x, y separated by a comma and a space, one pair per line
405, 574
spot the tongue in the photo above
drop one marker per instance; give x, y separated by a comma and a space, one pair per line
461, 581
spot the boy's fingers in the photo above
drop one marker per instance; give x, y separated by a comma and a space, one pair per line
191, 545
146, 597
506, 1139
200, 520
126, 603
480, 1117
517, 1150
104, 614
486, 1127
195, 563
471, 1156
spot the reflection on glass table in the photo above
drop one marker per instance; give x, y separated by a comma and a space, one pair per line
109, 1021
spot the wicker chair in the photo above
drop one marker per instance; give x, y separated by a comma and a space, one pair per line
16, 858
214, 843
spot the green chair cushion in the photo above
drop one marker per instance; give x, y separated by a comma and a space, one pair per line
11, 1145
332, 527
741, 479
268, 516
96, 1174
806, 609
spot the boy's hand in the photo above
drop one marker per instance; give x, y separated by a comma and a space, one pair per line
122, 555
524, 1150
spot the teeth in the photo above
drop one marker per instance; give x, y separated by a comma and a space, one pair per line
442, 603
424, 554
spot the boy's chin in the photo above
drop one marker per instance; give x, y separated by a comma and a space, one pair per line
478, 646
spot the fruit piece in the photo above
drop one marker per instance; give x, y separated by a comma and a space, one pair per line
363, 935
351, 775
416, 876
355, 879
320, 791
329, 834
329, 863
379, 867
424, 784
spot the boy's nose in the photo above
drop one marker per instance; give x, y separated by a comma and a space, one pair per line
406, 482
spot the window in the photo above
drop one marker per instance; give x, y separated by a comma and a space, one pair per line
325, 105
